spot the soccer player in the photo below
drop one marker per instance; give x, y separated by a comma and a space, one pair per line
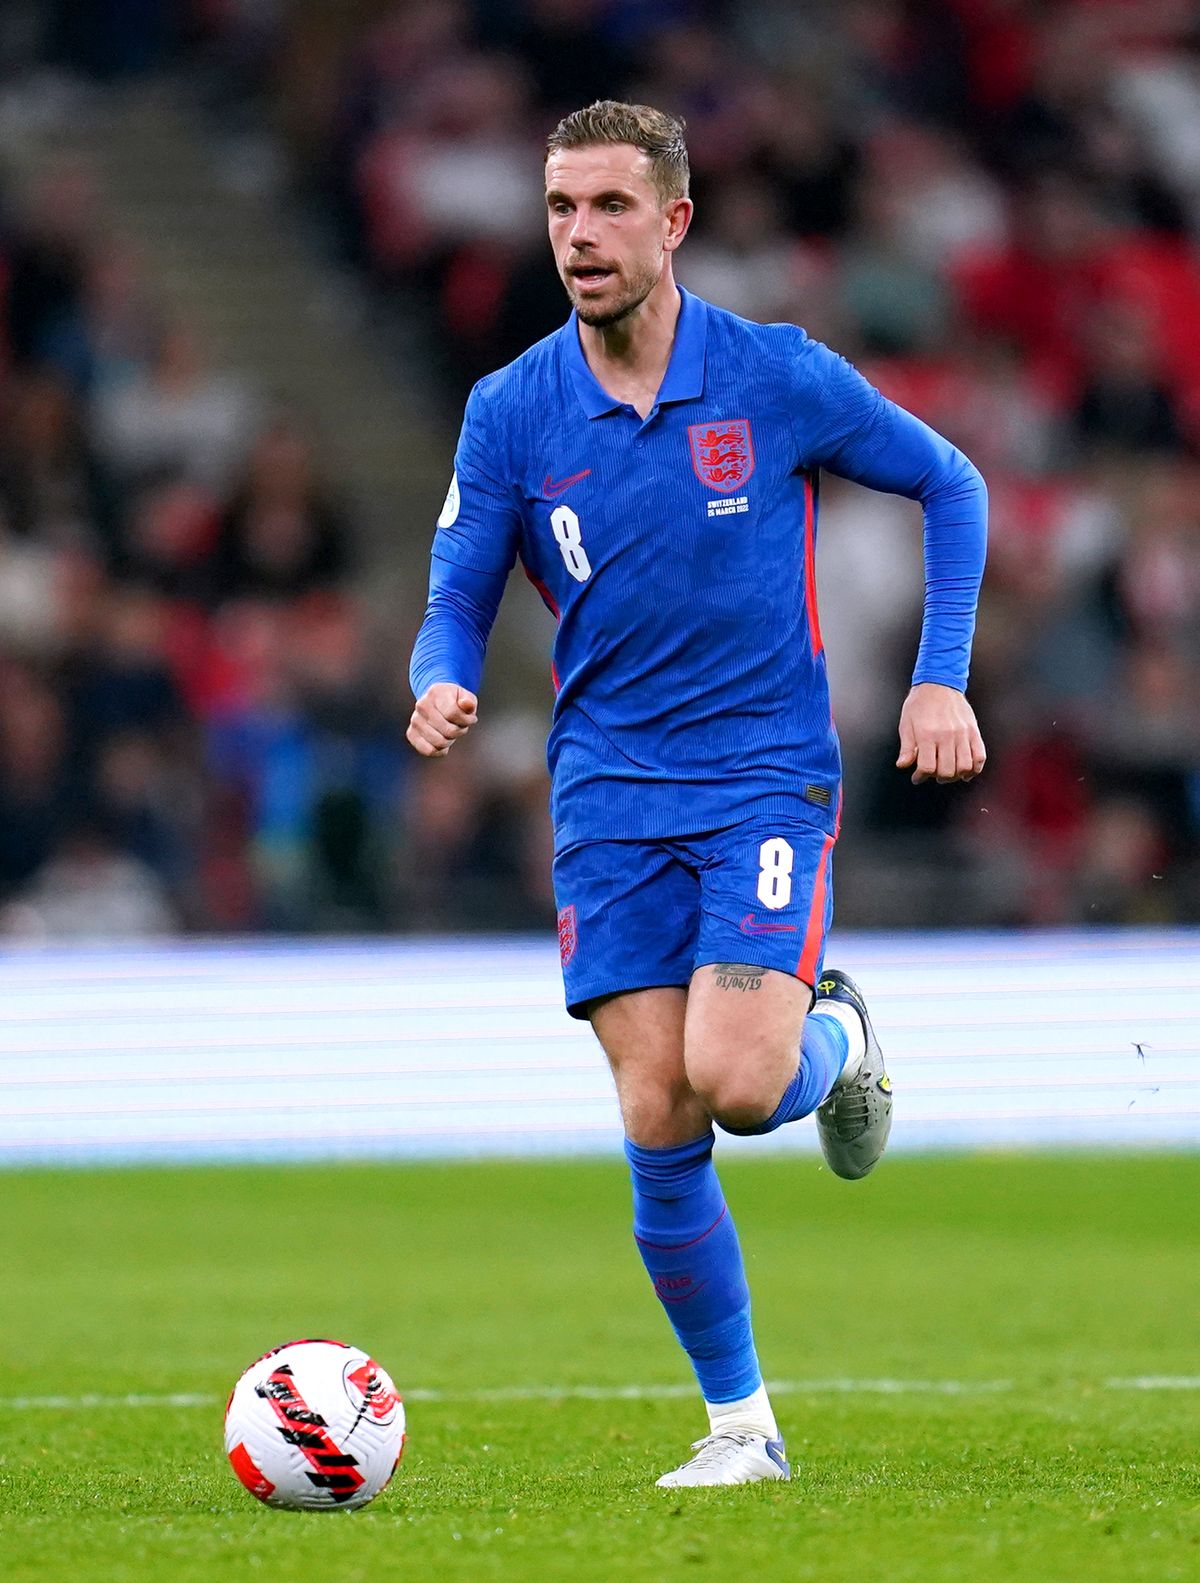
654, 466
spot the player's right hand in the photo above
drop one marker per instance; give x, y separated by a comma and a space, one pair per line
443, 713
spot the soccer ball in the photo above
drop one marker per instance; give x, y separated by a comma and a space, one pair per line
314, 1426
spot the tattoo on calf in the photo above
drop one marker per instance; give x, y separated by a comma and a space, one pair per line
738, 975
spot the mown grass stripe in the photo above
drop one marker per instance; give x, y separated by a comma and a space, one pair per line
617, 1393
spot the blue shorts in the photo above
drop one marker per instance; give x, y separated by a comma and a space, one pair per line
638, 914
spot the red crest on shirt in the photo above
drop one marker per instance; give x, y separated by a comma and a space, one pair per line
722, 454
567, 938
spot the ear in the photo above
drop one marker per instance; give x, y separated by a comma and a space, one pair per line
678, 214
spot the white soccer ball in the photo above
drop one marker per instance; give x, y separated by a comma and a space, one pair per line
314, 1426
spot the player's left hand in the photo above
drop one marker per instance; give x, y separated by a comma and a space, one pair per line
939, 736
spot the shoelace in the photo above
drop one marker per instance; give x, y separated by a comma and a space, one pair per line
852, 1115
711, 1451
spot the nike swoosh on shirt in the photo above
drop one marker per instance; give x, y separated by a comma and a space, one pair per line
751, 926
552, 488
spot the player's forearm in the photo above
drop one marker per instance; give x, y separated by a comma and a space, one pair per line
895, 452
955, 552
458, 620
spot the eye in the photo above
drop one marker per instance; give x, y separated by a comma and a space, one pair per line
614, 207
560, 208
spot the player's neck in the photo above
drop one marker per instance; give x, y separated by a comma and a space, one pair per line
630, 358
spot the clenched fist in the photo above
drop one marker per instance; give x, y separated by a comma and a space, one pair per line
443, 713
939, 738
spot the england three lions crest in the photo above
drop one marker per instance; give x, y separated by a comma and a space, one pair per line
722, 454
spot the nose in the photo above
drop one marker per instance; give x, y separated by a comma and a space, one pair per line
581, 229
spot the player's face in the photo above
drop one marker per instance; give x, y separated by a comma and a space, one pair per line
609, 228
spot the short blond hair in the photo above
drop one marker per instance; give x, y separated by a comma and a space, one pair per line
652, 132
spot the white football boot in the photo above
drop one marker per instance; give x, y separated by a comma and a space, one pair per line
854, 1121
732, 1457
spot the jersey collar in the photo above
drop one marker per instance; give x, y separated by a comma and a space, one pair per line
684, 378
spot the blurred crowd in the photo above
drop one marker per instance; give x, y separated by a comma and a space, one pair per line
993, 206
173, 608
201, 715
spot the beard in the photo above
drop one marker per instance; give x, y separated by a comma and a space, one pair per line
602, 315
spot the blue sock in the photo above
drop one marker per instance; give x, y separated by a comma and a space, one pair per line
691, 1252
824, 1046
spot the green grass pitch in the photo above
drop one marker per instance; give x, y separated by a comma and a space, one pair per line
1052, 1282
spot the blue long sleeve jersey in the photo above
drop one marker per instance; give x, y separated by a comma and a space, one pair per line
677, 554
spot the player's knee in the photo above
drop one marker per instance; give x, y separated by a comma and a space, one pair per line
744, 1113
661, 1115
738, 1097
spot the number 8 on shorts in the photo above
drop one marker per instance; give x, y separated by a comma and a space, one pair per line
775, 860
